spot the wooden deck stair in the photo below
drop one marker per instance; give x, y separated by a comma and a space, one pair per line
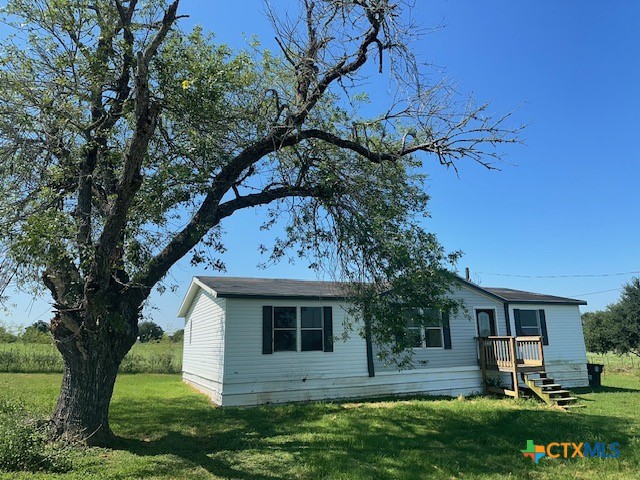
521, 357
548, 390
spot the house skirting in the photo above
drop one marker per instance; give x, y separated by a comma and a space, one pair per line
209, 387
443, 381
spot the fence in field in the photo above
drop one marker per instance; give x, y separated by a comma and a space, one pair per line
615, 363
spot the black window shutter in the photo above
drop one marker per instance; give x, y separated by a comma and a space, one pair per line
446, 330
516, 319
328, 329
267, 329
543, 328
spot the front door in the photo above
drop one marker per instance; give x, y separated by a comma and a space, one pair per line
486, 320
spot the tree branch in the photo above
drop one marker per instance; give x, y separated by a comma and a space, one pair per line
191, 235
349, 145
342, 68
146, 114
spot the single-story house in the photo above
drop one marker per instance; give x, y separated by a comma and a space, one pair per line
250, 341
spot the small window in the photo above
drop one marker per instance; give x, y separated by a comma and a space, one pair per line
284, 329
530, 323
311, 329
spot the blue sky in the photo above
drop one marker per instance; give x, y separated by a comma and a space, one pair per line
564, 203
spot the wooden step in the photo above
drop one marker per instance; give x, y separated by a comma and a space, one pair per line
555, 392
564, 399
542, 380
540, 372
550, 392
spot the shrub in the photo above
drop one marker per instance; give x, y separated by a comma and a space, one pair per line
6, 336
148, 331
34, 335
41, 326
23, 443
178, 336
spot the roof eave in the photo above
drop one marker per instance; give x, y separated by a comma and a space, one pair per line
548, 302
478, 288
281, 297
569, 301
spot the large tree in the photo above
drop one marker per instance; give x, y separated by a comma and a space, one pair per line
617, 328
125, 143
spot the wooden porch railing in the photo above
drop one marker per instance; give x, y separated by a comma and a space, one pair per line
505, 353
509, 354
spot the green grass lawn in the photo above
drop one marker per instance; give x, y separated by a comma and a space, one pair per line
170, 432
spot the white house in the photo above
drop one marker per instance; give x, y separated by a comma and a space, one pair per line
251, 341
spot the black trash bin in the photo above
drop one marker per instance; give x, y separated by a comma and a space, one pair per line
595, 372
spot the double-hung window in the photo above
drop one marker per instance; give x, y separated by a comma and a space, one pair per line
297, 329
530, 323
425, 328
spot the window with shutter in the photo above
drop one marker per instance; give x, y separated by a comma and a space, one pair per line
531, 323
297, 329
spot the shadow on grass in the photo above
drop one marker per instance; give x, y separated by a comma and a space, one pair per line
356, 440
604, 389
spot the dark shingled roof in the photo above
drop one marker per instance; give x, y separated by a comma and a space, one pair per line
515, 296
273, 287
277, 287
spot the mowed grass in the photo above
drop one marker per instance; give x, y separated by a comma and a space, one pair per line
170, 432
152, 357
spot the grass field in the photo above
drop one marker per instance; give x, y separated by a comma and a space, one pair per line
170, 432
152, 357
616, 363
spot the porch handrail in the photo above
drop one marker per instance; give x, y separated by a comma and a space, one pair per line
499, 351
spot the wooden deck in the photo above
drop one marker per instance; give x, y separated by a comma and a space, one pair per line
521, 357
514, 355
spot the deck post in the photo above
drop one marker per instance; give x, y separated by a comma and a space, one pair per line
541, 351
514, 365
483, 365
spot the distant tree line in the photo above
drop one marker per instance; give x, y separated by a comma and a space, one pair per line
616, 328
38, 332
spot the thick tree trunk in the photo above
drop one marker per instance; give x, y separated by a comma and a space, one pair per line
82, 412
91, 361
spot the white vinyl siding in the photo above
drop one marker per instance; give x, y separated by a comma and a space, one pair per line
203, 355
463, 352
251, 377
223, 353
248, 369
565, 357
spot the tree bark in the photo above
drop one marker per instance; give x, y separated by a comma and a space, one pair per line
91, 361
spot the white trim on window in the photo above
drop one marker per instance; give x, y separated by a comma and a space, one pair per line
298, 329
441, 330
423, 335
537, 327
